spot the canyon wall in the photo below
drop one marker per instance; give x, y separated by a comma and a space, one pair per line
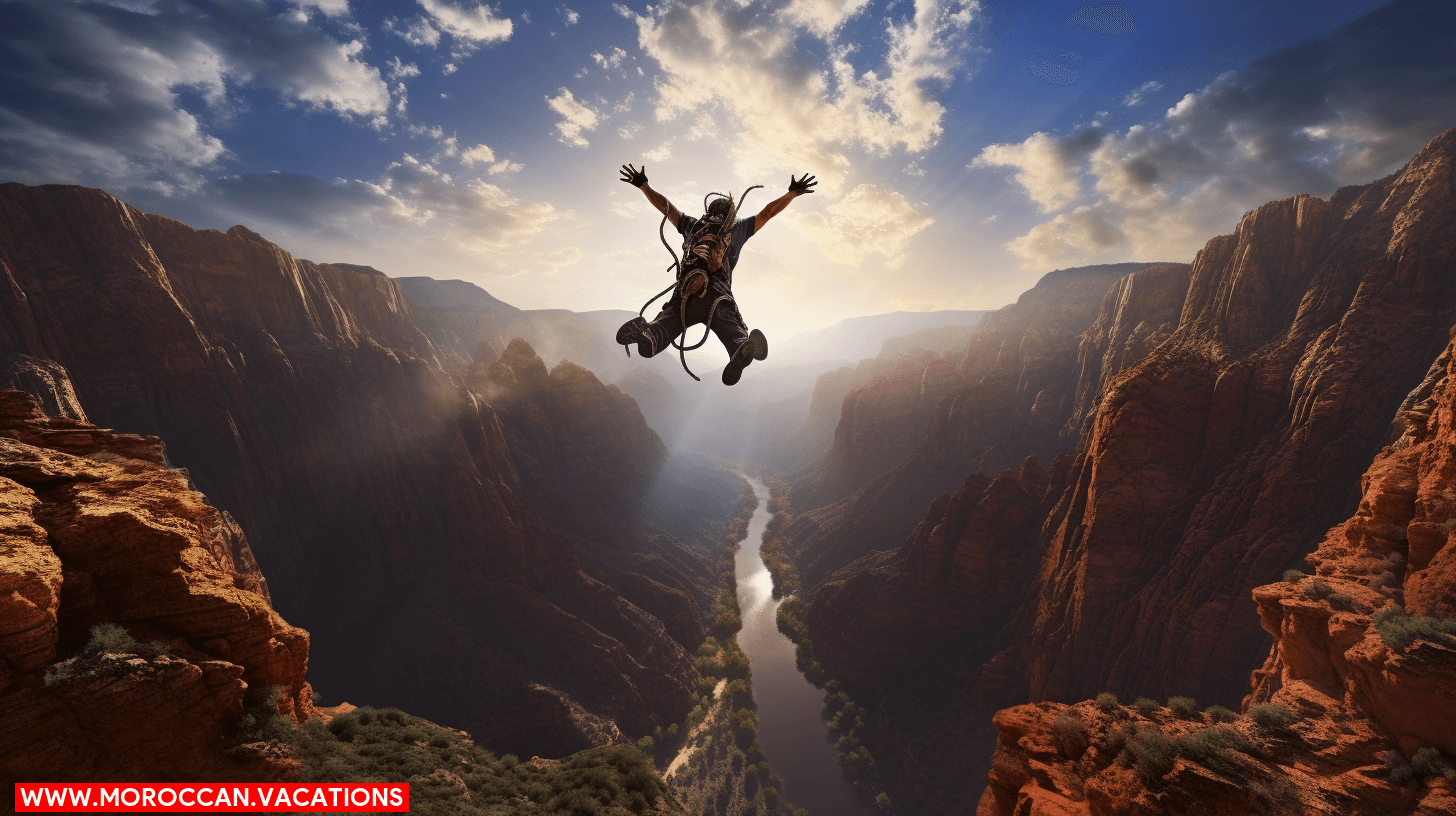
1014, 391
1361, 659
99, 530
1206, 468
382, 499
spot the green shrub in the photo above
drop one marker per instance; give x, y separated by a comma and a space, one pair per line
1115, 741
1212, 748
1385, 581
738, 693
1342, 602
1152, 753
1272, 715
1430, 762
1400, 630
1071, 734
1107, 701
372, 745
1183, 706
882, 801
94, 659
745, 722
1397, 769
1317, 589
263, 723
1146, 705
1294, 576
1219, 714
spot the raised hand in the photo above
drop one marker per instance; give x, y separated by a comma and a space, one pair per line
803, 185
636, 177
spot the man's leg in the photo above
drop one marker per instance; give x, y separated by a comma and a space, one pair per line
742, 345
653, 337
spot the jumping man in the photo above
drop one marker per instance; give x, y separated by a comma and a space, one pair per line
717, 246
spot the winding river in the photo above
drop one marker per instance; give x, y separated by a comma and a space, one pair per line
790, 709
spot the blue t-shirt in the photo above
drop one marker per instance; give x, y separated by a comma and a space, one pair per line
742, 231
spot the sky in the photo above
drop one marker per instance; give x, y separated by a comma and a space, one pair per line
963, 148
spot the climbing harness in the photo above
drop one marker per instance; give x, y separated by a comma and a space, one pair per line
691, 275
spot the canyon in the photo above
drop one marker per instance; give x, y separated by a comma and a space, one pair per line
389, 505
1214, 420
1096, 493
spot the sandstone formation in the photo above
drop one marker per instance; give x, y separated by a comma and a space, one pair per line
1367, 699
1206, 468
382, 500
1016, 388
99, 530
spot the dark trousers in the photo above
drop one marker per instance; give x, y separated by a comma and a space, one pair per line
727, 322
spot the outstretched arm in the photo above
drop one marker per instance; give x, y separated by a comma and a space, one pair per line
638, 178
797, 187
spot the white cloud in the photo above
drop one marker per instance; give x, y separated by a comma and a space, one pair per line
449, 69
612, 61
91, 92
790, 113
398, 69
417, 32
576, 118
472, 25
1080, 235
571, 17
480, 154
331, 8
823, 16
1307, 119
868, 221
505, 166
1047, 167
1136, 96
629, 131
661, 153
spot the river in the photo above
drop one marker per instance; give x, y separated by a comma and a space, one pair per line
790, 709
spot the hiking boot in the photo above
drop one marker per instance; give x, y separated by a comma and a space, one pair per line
754, 348
635, 331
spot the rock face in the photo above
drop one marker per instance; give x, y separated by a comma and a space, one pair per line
1015, 389
97, 530
383, 501
1361, 694
1207, 468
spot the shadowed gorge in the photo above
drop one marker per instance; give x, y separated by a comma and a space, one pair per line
386, 503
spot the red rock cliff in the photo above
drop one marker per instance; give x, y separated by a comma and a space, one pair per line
1209, 466
99, 530
1369, 697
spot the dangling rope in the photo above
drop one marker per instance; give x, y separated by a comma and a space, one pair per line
682, 280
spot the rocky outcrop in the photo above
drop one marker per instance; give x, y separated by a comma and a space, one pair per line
99, 530
1080, 761
383, 502
1211, 465
1015, 390
1368, 680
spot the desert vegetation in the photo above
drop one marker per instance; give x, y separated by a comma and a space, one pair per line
112, 651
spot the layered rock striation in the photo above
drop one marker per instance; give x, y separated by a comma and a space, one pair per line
99, 530
383, 501
1364, 658
1206, 468
1014, 391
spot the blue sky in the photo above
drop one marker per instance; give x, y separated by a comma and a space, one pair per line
963, 148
